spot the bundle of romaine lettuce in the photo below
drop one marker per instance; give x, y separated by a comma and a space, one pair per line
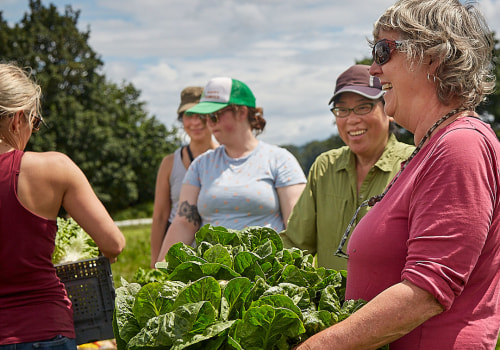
72, 243
236, 290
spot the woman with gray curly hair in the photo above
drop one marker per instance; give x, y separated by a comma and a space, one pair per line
427, 255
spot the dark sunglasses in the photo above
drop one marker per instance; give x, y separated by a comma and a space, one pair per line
36, 122
214, 117
383, 49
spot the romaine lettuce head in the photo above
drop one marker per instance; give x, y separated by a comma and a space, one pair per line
72, 243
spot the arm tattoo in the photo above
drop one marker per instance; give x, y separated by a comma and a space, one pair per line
190, 212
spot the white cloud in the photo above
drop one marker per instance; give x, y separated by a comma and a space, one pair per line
288, 52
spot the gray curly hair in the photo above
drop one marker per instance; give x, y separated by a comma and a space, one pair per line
454, 34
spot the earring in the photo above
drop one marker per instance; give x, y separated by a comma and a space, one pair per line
429, 77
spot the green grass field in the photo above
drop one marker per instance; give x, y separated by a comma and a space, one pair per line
136, 254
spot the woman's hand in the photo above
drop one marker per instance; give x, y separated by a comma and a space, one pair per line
374, 325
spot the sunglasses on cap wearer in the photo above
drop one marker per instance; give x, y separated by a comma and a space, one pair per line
383, 49
214, 117
193, 117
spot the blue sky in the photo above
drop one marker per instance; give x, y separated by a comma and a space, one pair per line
289, 52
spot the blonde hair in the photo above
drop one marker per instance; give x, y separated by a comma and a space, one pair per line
18, 92
453, 34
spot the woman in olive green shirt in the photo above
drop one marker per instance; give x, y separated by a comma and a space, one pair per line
341, 179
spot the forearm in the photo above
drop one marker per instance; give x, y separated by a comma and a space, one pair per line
186, 222
158, 230
179, 231
288, 196
393, 313
92, 216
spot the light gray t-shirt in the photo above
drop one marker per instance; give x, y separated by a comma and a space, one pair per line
236, 193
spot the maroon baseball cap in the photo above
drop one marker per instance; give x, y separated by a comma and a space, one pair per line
357, 79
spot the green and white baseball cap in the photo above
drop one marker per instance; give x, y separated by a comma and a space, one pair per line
221, 92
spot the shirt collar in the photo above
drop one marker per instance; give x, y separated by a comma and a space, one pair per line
383, 163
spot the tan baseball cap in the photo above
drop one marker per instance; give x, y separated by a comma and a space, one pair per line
190, 97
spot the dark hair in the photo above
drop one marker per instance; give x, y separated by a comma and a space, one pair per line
393, 127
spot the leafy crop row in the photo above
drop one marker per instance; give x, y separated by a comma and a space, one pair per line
236, 290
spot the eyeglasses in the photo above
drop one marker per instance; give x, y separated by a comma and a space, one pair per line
343, 112
367, 203
383, 49
340, 253
36, 122
214, 117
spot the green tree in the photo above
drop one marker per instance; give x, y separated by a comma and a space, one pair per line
306, 154
103, 127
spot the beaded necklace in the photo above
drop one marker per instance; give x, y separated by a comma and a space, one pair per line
378, 198
373, 200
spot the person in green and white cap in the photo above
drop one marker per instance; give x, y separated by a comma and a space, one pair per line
244, 182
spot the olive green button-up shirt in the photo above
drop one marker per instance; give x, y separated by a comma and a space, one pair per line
330, 199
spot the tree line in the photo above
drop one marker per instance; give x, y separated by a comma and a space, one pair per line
103, 126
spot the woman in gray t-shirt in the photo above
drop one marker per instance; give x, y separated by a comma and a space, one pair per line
244, 182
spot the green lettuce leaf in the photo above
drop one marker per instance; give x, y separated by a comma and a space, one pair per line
174, 327
155, 299
263, 326
72, 243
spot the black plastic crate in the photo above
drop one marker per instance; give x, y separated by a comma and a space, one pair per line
89, 284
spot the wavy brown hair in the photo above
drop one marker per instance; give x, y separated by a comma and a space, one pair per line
256, 119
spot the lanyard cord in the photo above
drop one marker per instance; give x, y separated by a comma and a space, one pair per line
378, 198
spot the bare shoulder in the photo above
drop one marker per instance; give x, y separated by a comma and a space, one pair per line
169, 159
44, 180
49, 166
50, 161
167, 164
